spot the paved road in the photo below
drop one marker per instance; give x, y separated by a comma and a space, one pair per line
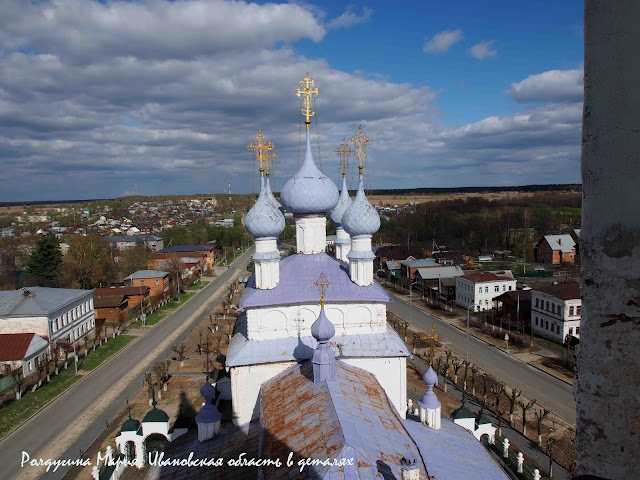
37, 434
548, 390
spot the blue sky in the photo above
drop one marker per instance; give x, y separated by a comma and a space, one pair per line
103, 99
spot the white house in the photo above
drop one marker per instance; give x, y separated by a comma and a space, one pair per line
57, 314
479, 289
555, 311
24, 350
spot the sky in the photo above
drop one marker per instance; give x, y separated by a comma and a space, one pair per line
155, 97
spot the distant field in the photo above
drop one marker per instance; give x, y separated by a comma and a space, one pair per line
438, 197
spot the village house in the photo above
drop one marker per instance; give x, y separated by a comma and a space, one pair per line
516, 306
122, 242
192, 251
479, 290
24, 350
408, 268
134, 295
385, 253
157, 280
555, 250
431, 279
56, 314
111, 309
556, 311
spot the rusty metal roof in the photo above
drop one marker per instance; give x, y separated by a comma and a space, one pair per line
243, 351
350, 418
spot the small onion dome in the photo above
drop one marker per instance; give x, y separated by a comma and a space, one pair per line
309, 191
264, 219
343, 203
429, 399
155, 415
322, 329
207, 391
208, 413
270, 195
361, 218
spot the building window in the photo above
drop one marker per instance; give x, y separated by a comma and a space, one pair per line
546, 325
497, 288
510, 287
486, 289
547, 306
504, 288
570, 330
536, 321
571, 311
553, 308
537, 303
577, 330
578, 310
141, 282
557, 328
157, 282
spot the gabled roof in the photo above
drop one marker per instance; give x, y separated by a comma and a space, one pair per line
128, 291
38, 301
188, 248
14, 346
442, 272
350, 417
109, 301
563, 291
131, 238
485, 277
142, 274
299, 273
420, 262
564, 243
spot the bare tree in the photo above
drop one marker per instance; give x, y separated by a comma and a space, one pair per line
525, 406
18, 381
42, 371
474, 373
161, 370
207, 350
540, 415
181, 351
148, 379
497, 389
445, 370
513, 399
456, 363
466, 374
485, 384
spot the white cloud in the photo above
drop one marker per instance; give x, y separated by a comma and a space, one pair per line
483, 50
441, 42
550, 86
349, 17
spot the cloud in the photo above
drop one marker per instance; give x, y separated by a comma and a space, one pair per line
349, 18
550, 86
483, 50
441, 42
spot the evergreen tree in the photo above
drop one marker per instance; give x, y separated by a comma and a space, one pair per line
44, 262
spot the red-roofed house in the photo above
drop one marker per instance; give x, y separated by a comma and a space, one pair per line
480, 289
555, 250
24, 350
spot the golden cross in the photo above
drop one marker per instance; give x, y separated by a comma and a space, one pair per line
269, 158
307, 82
322, 285
260, 147
344, 152
360, 141
432, 340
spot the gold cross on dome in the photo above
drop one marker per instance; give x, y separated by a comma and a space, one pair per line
269, 156
322, 285
360, 141
261, 148
307, 92
343, 153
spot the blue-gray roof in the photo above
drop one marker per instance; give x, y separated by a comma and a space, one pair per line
41, 301
147, 274
131, 238
420, 262
453, 452
299, 273
243, 351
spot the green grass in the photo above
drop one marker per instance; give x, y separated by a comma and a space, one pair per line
18, 411
167, 309
199, 287
113, 346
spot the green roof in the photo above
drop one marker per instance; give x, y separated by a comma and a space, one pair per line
131, 425
155, 415
462, 412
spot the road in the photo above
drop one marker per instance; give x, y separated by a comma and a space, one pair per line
36, 435
547, 390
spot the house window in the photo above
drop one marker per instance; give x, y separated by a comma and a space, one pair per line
546, 324
537, 305
557, 328
141, 282
547, 306
504, 288
157, 282
577, 330
553, 308
570, 330
536, 321
57, 325
510, 287
486, 289
578, 310
29, 366
571, 311
497, 288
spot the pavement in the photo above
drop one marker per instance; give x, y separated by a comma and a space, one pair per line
67, 426
548, 390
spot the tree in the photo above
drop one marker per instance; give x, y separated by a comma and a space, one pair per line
497, 389
44, 262
467, 363
87, 264
18, 380
161, 370
457, 365
181, 351
474, 373
174, 266
525, 406
513, 398
133, 259
540, 415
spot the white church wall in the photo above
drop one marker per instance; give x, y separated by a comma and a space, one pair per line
291, 321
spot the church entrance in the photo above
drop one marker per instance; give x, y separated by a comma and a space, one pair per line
153, 444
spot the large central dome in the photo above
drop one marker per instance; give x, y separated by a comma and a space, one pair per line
310, 191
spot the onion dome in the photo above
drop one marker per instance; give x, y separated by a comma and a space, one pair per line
322, 329
270, 195
131, 424
155, 415
429, 399
343, 203
309, 191
264, 219
361, 218
208, 413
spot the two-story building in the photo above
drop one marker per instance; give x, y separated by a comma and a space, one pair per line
135, 295
555, 250
556, 311
56, 314
481, 289
193, 251
122, 242
157, 280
